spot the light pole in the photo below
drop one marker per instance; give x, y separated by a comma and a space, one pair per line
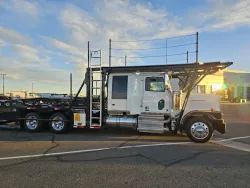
3, 81
32, 89
71, 86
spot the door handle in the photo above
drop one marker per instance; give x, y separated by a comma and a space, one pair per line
113, 104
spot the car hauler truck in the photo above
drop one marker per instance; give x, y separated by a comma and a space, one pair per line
136, 97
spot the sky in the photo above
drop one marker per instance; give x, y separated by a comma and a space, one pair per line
43, 41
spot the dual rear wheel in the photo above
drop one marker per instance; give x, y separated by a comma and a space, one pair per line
58, 122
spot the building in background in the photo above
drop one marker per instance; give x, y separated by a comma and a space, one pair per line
211, 84
18, 94
229, 84
238, 84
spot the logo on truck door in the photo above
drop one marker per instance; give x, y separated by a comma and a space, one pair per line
146, 108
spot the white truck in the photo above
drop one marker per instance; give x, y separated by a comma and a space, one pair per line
136, 97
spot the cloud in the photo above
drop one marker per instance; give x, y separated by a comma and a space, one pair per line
23, 48
138, 18
130, 21
44, 76
21, 6
121, 20
224, 14
66, 47
13, 37
2, 43
82, 26
28, 54
109, 19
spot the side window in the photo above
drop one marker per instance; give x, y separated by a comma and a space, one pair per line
119, 87
156, 84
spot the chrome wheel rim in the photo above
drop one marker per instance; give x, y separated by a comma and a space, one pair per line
57, 123
199, 130
32, 122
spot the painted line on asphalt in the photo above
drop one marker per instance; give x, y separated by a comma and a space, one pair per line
235, 138
91, 150
230, 143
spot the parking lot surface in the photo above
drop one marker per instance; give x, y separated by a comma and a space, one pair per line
118, 158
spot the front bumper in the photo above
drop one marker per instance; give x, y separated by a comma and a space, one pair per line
219, 125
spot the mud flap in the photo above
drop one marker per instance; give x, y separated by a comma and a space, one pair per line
219, 125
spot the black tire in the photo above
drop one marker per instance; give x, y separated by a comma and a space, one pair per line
204, 124
63, 128
34, 126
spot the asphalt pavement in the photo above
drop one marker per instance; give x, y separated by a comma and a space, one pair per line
120, 158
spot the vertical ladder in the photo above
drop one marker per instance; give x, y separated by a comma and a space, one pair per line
95, 88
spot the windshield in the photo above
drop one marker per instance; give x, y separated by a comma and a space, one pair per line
156, 84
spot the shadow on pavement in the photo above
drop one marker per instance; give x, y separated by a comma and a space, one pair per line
114, 134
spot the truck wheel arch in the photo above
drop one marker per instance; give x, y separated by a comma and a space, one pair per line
215, 118
193, 114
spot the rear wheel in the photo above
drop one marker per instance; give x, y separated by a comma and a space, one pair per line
31, 122
59, 123
199, 130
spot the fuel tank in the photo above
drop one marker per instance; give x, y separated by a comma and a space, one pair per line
121, 121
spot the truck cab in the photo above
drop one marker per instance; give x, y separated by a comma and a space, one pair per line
145, 101
138, 93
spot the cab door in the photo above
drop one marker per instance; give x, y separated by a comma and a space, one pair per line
118, 93
154, 96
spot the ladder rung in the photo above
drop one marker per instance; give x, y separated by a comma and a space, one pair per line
95, 118
96, 80
96, 67
96, 88
96, 57
95, 102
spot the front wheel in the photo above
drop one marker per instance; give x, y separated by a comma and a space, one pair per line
199, 130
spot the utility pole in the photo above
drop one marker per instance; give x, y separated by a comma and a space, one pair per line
197, 46
88, 54
70, 85
3, 81
166, 51
125, 60
109, 52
